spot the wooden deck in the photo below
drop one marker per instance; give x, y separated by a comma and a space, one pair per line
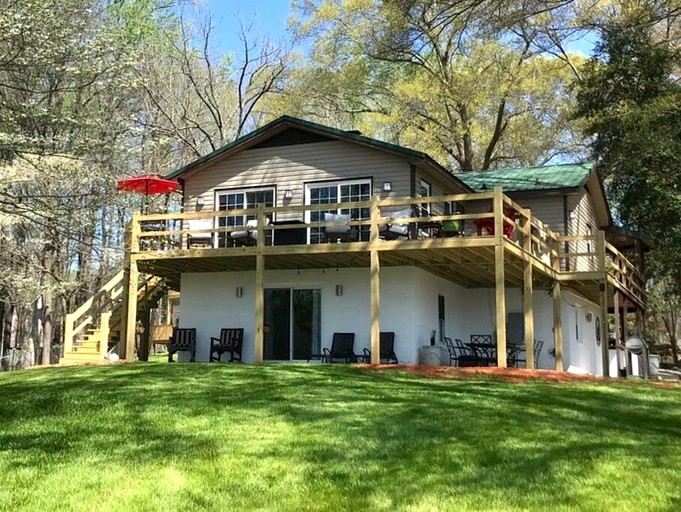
519, 251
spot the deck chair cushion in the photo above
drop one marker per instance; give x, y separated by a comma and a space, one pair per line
337, 217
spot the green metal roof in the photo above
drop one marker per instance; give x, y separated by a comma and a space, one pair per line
548, 177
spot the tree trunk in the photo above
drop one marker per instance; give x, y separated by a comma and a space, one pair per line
47, 328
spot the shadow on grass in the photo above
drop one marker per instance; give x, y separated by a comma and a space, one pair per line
371, 439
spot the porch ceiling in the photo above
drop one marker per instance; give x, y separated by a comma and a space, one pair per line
471, 267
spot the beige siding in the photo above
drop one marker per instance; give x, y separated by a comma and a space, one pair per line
548, 209
585, 222
290, 167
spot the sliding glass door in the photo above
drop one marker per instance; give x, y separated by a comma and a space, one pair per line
292, 323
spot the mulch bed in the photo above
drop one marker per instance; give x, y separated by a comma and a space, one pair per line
512, 375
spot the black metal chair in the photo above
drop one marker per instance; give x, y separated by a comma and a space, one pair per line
342, 348
395, 230
339, 233
538, 346
182, 340
484, 349
460, 354
230, 342
387, 341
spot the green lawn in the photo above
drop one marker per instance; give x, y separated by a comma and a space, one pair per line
298, 437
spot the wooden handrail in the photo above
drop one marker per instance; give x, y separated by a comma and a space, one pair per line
530, 232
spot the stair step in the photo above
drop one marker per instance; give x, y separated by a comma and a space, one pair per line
77, 356
85, 348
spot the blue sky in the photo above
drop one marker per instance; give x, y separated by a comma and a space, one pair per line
270, 18
269, 15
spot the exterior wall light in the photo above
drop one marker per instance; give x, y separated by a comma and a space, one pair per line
288, 194
239, 292
572, 215
200, 201
339, 290
387, 186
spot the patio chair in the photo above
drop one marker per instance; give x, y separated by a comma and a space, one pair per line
460, 354
451, 228
199, 239
342, 347
229, 342
538, 346
394, 230
248, 236
483, 349
451, 349
182, 340
339, 233
387, 343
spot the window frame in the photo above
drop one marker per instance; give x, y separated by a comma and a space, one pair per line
244, 191
338, 183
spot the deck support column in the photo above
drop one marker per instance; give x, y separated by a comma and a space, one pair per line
130, 282
528, 292
259, 328
618, 332
375, 269
557, 326
500, 277
131, 279
603, 267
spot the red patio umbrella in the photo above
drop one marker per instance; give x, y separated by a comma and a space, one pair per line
147, 185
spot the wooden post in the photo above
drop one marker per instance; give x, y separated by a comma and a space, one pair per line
130, 283
528, 307
104, 332
557, 326
618, 338
625, 335
169, 309
259, 338
500, 278
375, 269
602, 264
68, 333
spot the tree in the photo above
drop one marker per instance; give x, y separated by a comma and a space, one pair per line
630, 98
665, 325
196, 100
65, 109
465, 81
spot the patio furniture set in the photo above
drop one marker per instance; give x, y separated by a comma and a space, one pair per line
479, 351
230, 342
482, 351
392, 229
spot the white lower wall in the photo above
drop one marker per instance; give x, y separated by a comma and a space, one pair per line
409, 307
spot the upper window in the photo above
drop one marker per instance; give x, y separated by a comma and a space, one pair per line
337, 192
242, 200
425, 191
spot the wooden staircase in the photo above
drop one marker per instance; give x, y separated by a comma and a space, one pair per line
96, 327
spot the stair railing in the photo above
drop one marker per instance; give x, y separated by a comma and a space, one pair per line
101, 302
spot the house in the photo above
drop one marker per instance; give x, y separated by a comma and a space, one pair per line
297, 231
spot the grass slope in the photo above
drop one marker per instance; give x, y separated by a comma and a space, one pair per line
298, 437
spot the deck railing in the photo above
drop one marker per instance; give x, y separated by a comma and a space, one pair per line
426, 219
96, 309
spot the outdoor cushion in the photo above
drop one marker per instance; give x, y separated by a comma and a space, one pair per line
200, 225
336, 217
248, 233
